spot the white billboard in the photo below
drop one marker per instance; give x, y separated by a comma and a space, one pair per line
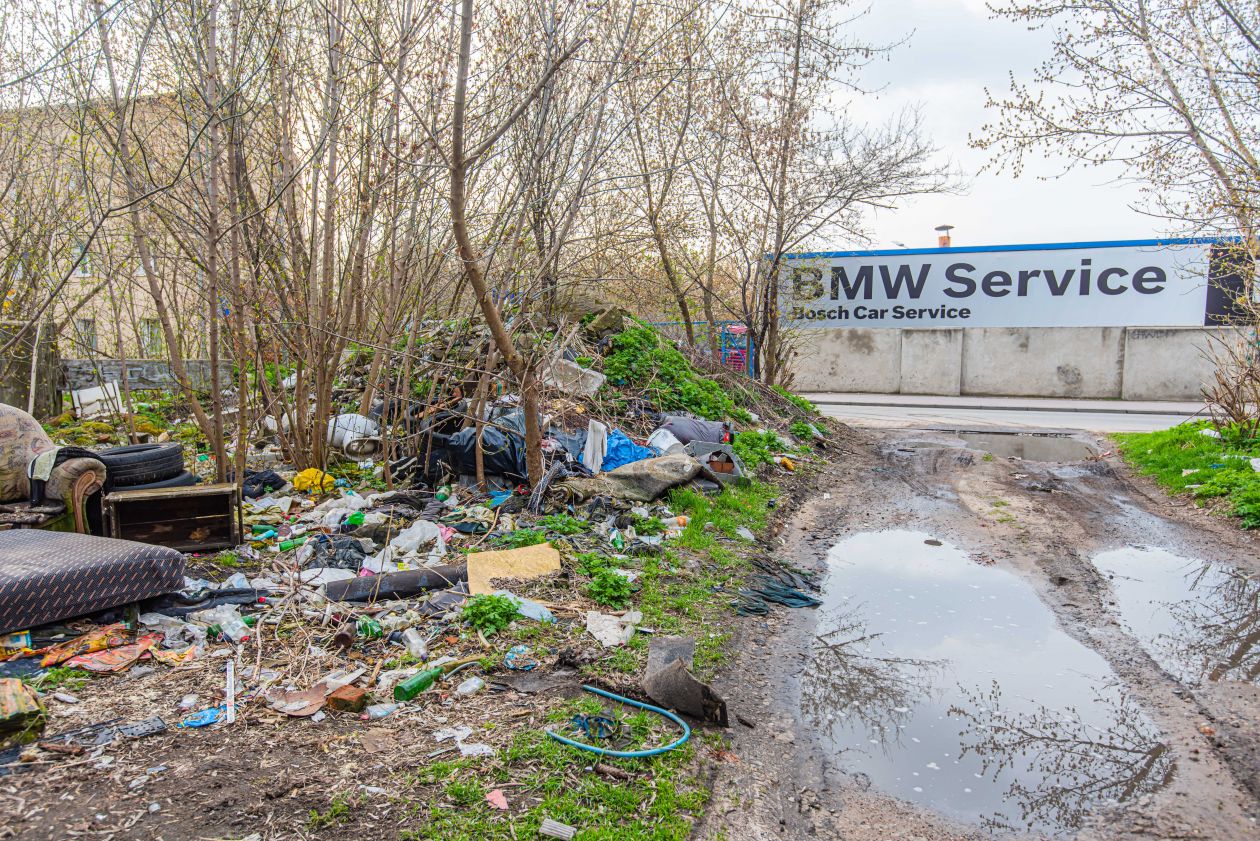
1149, 283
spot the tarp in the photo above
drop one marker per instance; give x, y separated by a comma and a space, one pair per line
621, 451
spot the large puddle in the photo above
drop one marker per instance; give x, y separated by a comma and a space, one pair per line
949, 684
1054, 448
1199, 621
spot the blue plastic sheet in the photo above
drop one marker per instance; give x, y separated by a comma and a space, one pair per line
621, 450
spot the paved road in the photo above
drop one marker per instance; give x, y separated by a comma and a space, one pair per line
894, 410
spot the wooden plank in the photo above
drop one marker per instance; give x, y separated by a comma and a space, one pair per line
218, 489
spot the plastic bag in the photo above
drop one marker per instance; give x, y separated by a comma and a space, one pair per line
621, 450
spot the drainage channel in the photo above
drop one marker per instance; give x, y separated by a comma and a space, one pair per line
950, 684
1199, 621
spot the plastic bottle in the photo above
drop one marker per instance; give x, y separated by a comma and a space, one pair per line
417, 683
235, 629
415, 644
470, 687
369, 628
379, 711
443, 493
216, 630
292, 543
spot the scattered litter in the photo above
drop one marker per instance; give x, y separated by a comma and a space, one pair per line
518, 659
204, 718
497, 799
22, 715
668, 681
471, 686
555, 829
612, 630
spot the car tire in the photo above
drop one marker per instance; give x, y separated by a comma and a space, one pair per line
142, 464
182, 480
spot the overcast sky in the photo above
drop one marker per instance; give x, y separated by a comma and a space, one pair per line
956, 49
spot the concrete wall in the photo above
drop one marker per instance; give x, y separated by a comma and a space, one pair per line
931, 361
1132, 363
1059, 361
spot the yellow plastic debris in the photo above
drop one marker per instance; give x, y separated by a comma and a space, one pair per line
22, 715
314, 479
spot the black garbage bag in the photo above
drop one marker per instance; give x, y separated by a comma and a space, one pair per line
502, 448
337, 550
259, 483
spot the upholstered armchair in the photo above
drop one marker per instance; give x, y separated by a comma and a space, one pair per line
69, 484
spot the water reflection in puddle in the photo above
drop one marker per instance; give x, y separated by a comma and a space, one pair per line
1198, 621
950, 684
1028, 447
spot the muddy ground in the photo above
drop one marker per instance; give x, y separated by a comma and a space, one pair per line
778, 779
1042, 521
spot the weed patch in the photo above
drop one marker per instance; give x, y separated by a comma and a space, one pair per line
1184, 460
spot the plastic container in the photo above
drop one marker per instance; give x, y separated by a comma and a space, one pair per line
234, 629
292, 543
379, 711
414, 641
417, 683
471, 686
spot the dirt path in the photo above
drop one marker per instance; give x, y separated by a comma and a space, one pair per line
1043, 522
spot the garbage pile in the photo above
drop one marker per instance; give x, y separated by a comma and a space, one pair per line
349, 600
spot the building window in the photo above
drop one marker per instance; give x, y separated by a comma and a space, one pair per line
86, 328
151, 343
84, 266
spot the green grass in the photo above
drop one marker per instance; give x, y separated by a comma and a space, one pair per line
520, 537
60, 677
226, 559
338, 811
756, 448
1183, 460
609, 588
551, 780
563, 524
796, 400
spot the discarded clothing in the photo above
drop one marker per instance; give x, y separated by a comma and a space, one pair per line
753, 600
687, 429
596, 446
39, 471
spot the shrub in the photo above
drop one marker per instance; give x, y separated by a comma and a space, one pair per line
489, 613
609, 588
